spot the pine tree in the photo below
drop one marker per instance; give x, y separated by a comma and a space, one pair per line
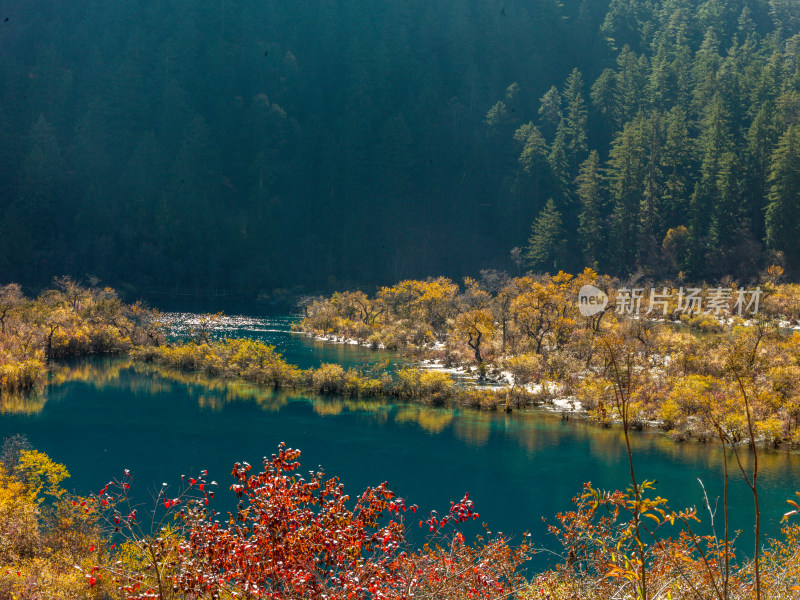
550, 110
631, 84
651, 220
783, 209
589, 190
575, 118
678, 163
546, 246
786, 15
533, 182
560, 165
534, 153
704, 70
605, 99
727, 228
626, 174
762, 138
715, 142
34, 217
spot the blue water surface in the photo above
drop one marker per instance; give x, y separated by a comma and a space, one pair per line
104, 415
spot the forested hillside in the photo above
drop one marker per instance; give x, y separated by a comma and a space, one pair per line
248, 145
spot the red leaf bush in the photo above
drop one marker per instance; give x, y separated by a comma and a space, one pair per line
301, 537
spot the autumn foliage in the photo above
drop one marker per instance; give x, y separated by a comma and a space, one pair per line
527, 333
66, 321
45, 532
292, 536
295, 536
298, 537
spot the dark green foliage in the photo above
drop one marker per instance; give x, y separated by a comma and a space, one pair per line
783, 210
591, 229
252, 145
546, 246
688, 109
247, 146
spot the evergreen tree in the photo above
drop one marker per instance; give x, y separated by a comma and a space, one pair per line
546, 246
277, 143
704, 70
727, 229
678, 164
783, 208
786, 15
589, 190
626, 174
550, 110
631, 84
715, 142
762, 137
575, 118
34, 219
560, 165
651, 218
605, 98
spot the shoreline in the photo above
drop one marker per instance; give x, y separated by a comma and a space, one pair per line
554, 408
567, 406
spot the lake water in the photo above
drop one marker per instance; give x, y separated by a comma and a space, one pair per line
104, 415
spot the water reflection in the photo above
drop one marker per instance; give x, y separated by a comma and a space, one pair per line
103, 415
532, 430
431, 420
22, 404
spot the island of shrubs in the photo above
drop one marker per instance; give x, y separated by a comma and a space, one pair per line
523, 337
684, 369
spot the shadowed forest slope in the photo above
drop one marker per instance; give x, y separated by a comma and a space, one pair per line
243, 145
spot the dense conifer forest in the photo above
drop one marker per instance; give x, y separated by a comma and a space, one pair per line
248, 146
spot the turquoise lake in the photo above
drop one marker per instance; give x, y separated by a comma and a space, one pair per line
104, 415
